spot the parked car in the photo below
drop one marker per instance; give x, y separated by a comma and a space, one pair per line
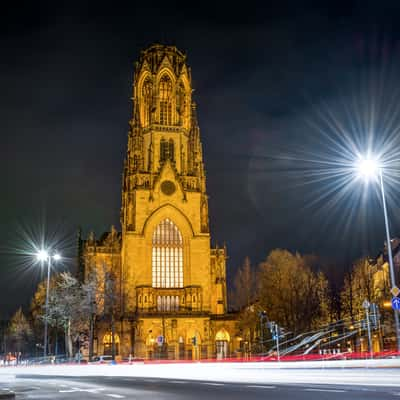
102, 359
131, 360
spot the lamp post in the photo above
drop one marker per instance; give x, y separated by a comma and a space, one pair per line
369, 168
42, 256
263, 317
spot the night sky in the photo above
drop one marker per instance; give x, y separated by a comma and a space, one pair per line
273, 84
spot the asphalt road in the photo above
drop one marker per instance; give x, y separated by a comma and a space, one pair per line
60, 388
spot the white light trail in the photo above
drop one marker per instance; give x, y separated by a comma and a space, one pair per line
383, 372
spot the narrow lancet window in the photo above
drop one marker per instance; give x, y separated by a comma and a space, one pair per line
167, 150
147, 100
165, 100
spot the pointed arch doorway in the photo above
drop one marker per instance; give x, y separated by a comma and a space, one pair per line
222, 340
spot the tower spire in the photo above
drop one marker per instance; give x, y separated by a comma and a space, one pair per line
163, 128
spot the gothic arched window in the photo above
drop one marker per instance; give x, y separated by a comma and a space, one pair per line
171, 150
147, 100
167, 150
181, 99
135, 162
167, 256
165, 100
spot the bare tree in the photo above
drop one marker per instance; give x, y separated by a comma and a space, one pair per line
19, 331
91, 304
243, 294
292, 294
244, 299
359, 285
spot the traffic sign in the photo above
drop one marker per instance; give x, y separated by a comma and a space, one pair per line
160, 340
396, 303
395, 291
366, 304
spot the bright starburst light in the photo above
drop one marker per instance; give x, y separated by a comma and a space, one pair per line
28, 249
322, 170
42, 255
367, 168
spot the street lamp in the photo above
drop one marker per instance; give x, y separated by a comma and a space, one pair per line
369, 168
42, 256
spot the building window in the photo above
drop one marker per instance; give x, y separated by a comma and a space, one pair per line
167, 256
135, 162
107, 344
167, 303
165, 100
167, 150
147, 100
181, 102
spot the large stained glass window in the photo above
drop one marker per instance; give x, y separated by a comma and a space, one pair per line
167, 256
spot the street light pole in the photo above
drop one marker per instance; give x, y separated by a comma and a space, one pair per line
42, 256
390, 257
262, 315
46, 307
366, 304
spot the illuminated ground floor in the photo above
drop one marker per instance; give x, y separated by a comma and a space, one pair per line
169, 336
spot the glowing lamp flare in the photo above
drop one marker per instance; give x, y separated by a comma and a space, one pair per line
42, 255
367, 168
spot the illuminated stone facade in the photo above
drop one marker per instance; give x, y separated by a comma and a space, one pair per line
168, 296
381, 295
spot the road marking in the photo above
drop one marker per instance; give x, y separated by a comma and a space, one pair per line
179, 382
212, 383
326, 390
115, 396
75, 389
261, 387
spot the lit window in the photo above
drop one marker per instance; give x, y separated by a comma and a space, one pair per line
167, 256
135, 162
147, 100
107, 343
167, 150
167, 303
181, 99
165, 101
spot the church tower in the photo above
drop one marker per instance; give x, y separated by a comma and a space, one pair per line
172, 285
